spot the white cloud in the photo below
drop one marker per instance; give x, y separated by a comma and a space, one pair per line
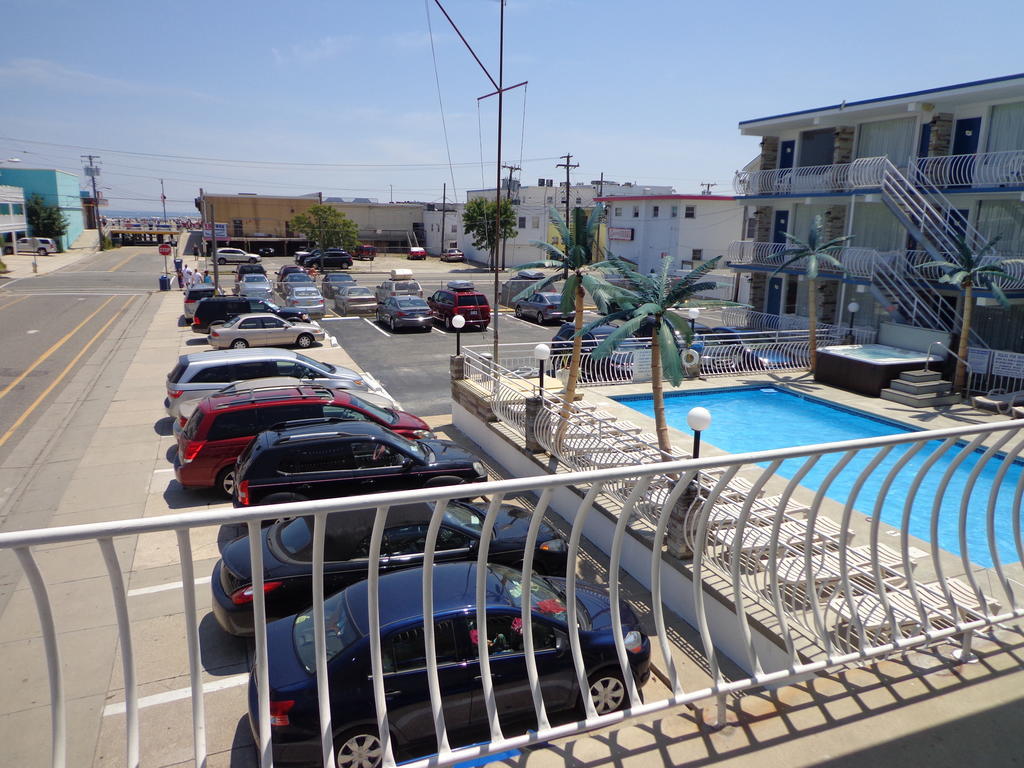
325, 48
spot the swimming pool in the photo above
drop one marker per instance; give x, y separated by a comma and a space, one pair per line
762, 418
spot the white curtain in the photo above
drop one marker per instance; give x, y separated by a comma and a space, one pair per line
891, 138
1003, 219
874, 227
1006, 128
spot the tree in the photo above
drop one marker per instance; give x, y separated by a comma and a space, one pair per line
649, 299
579, 252
327, 227
968, 269
478, 220
815, 252
45, 220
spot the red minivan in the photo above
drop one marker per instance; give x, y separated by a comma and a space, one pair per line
223, 425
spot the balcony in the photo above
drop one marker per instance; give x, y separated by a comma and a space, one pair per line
980, 171
811, 180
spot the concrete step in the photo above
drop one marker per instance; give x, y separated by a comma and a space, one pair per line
922, 388
921, 376
929, 400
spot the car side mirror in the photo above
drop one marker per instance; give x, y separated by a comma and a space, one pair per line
408, 463
561, 643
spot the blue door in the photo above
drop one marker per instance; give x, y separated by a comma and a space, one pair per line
965, 142
926, 137
781, 227
773, 304
786, 151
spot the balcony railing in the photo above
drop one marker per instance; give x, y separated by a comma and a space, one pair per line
793, 181
987, 169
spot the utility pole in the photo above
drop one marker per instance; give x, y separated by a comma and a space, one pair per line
213, 248
163, 200
391, 188
508, 196
707, 185
444, 210
568, 166
600, 186
92, 171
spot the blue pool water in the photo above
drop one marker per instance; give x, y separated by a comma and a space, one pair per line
759, 419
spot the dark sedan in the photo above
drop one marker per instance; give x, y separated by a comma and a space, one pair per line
287, 554
405, 312
295, 720
541, 307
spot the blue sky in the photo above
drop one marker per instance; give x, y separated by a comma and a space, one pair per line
647, 91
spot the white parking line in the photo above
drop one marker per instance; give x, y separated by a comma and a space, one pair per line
158, 471
118, 708
376, 327
165, 587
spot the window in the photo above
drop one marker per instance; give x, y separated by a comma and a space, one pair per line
229, 426
636, 211
370, 454
5, 209
535, 222
455, 228
655, 211
751, 232
17, 209
505, 635
251, 322
237, 226
674, 211
274, 322
690, 212
579, 201
214, 374
320, 458
253, 370
618, 210
697, 254
548, 199
281, 413
341, 412
406, 650
522, 222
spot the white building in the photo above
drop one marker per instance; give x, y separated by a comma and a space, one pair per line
12, 217
652, 226
448, 220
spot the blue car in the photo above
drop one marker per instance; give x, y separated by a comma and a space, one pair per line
293, 693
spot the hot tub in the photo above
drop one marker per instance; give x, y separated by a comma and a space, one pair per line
867, 368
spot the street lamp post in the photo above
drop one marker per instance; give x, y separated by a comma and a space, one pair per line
853, 308
693, 313
698, 419
458, 323
541, 353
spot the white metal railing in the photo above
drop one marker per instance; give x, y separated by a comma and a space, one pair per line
828, 333
830, 603
793, 181
986, 169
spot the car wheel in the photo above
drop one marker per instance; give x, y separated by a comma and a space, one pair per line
448, 324
519, 311
239, 344
252, 261
226, 480
608, 691
41, 251
539, 319
222, 261
391, 324
358, 748
305, 341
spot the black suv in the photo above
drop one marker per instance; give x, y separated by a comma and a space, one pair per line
326, 458
225, 307
332, 258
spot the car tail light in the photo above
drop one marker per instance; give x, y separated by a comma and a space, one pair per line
401, 314
244, 595
174, 394
195, 320
279, 712
243, 492
192, 449
182, 421
214, 335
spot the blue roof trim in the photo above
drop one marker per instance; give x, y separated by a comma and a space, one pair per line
907, 95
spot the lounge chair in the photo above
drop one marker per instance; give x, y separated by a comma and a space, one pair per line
998, 400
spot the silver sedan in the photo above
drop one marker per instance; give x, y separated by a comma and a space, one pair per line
263, 330
255, 286
306, 298
540, 306
354, 300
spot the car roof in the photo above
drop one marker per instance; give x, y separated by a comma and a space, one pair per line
454, 589
264, 395
257, 314
365, 428
217, 355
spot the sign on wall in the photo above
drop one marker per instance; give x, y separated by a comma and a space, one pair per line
979, 360
222, 231
1010, 364
620, 233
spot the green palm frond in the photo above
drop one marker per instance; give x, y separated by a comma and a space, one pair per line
813, 250
620, 334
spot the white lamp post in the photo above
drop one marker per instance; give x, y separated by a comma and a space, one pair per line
458, 323
693, 313
698, 419
541, 353
853, 308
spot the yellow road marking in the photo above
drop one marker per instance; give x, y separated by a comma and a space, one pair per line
12, 303
35, 404
57, 345
121, 263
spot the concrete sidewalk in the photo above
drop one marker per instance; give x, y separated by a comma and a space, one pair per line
19, 265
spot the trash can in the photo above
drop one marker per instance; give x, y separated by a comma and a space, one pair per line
165, 283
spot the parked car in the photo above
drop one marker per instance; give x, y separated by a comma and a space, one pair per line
541, 307
528, 274
399, 283
405, 312
287, 561
332, 258
452, 254
460, 297
326, 460
306, 299
199, 374
286, 270
223, 308
295, 730
365, 252
221, 425
354, 300
266, 251
263, 330
40, 245
294, 280
248, 269
255, 287
301, 255
417, 253
333, 281
236, 256
194, 295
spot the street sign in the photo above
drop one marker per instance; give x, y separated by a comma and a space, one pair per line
165, 249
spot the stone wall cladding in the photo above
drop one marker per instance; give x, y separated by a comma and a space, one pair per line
835, 221
763, 214
842, 145
758, 290
940, 141
769, 153
472, 400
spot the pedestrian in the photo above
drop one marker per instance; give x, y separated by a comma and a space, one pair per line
195, 251
197, 279
188, 275
181, 279
207, 277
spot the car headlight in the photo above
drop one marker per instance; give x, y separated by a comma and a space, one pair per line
479, 468
634, 641
421, 434
554, 545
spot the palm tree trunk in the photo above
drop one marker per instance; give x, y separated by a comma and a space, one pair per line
569, 396
657, 393
960, 379
812, 320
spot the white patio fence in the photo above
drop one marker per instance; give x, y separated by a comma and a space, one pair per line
829, 603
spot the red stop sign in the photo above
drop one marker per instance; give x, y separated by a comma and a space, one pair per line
165, 249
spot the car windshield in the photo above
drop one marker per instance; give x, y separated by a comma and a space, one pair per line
340, 628
546, 597
411, 446
411, 302
322, 366
298, 277
385, 415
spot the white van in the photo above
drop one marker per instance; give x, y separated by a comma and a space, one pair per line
40, 245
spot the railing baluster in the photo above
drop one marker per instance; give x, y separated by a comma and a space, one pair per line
526, 609
195, 671
124, 635
373, 616
259, 607
323, 688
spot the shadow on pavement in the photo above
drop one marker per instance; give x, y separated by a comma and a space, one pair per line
222, 654
243, 748
165, 428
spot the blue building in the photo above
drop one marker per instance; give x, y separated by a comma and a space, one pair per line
58, 188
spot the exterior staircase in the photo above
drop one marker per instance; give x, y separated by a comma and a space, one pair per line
920, 389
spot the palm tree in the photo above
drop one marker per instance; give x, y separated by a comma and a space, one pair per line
968, 269
649, 299
578, 254
815, 252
